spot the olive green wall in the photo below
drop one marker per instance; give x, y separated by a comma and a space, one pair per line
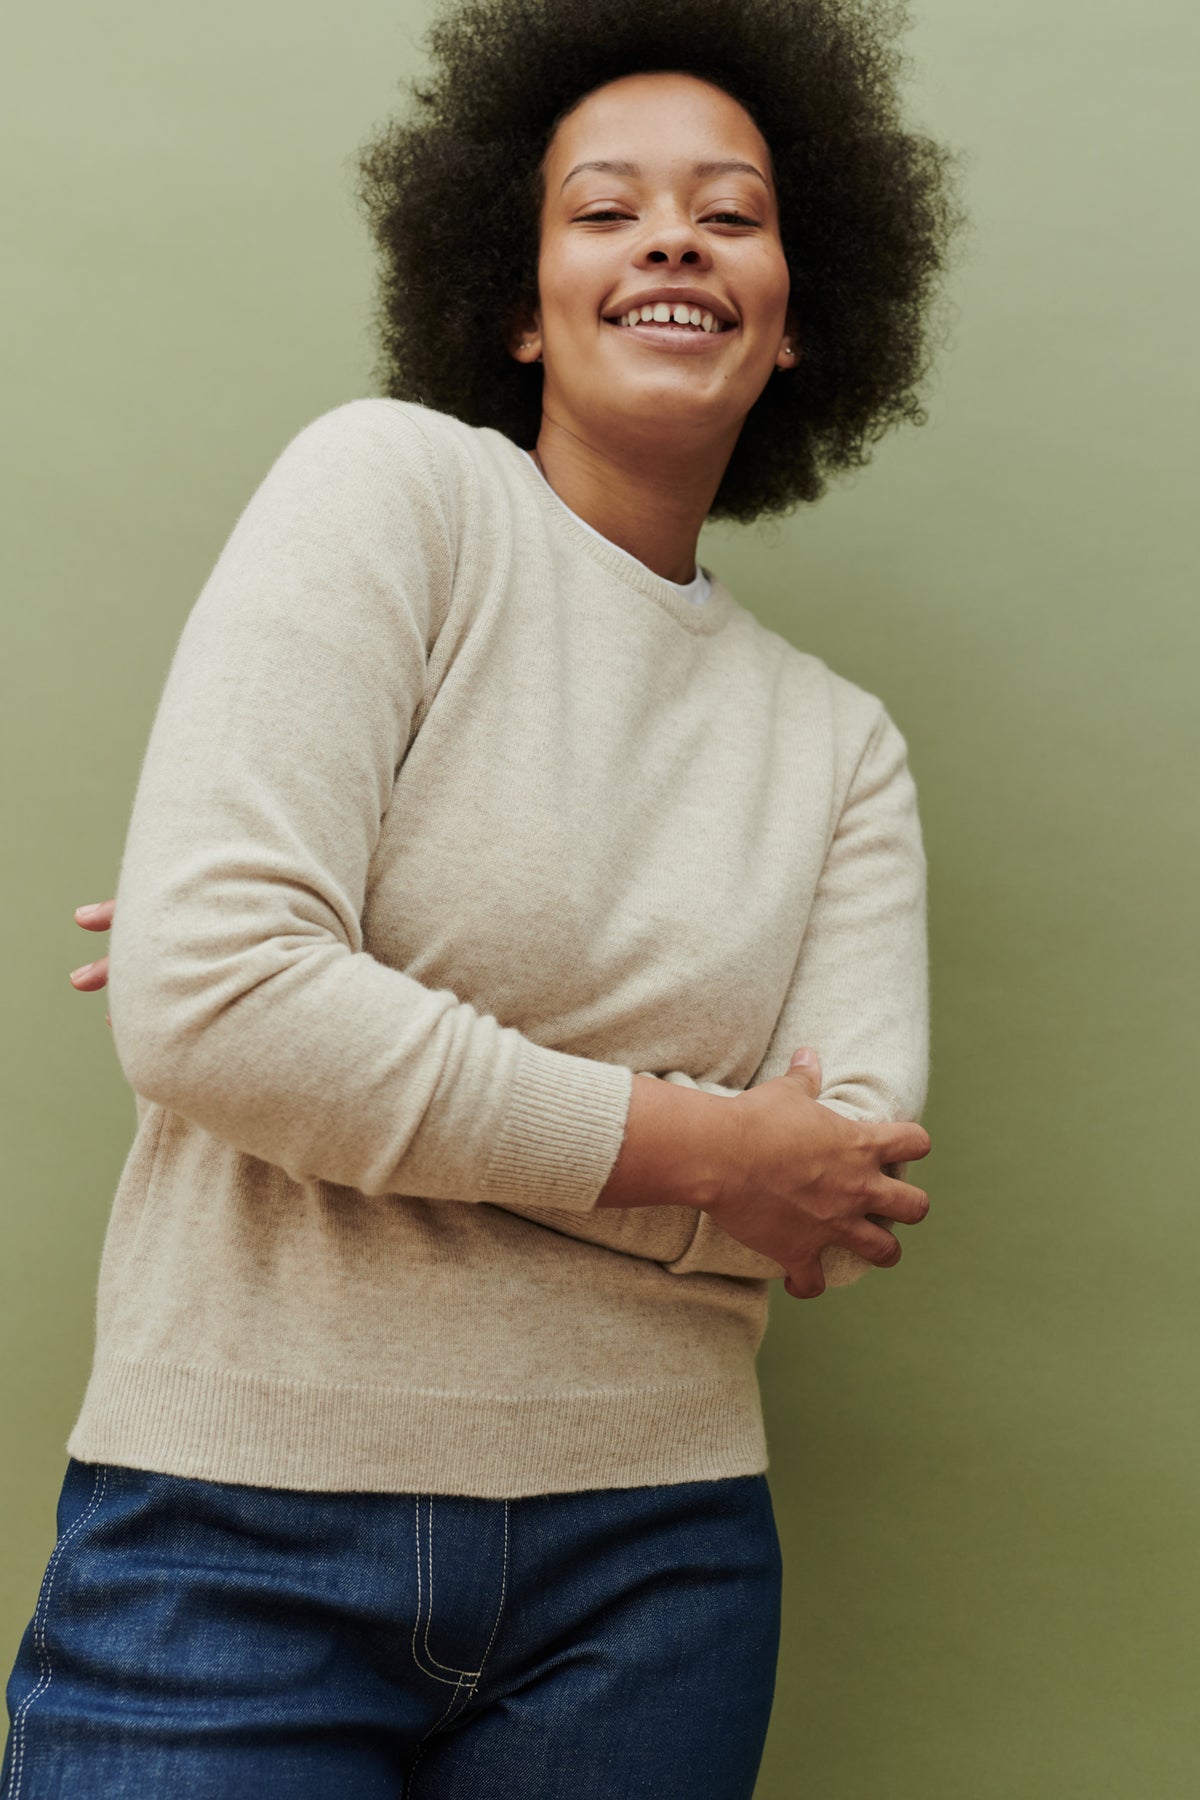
985, 1461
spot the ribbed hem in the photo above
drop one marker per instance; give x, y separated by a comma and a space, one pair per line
262, 1431
562, 1131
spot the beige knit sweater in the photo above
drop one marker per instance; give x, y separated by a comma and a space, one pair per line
453, 817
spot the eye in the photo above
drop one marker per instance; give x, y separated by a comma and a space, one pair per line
718, 218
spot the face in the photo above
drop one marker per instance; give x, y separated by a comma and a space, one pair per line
658, 193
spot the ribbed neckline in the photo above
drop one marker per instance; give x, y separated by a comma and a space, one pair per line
703, 620
702, 578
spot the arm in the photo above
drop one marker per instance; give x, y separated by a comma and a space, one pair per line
661, 1231
240, 993
859, 994
671, 1233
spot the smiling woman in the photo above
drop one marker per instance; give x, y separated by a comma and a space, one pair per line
862, 207
672, 233
487, 867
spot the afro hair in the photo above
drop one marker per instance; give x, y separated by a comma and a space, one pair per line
868, 212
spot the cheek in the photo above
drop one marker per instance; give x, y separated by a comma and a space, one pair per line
766, 280
776, 284
568, 294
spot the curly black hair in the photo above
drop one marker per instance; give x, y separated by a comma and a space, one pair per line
867, 212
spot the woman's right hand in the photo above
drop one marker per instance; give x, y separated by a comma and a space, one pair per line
804, 1177
97, 916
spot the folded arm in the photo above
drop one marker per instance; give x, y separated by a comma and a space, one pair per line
859, 994
241, 996
240, 993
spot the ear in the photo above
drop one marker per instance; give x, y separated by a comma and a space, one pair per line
790, 348
525, 339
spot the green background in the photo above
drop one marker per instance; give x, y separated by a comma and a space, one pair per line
984, 1463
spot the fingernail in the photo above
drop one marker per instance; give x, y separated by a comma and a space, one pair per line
802, 1056
86, 970
93, 906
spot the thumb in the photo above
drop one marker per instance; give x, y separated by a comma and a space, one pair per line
805, 1066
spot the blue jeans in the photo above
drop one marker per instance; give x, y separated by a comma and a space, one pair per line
197, 1638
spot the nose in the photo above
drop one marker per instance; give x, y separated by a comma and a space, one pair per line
673, 239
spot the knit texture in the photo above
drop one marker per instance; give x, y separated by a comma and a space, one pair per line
453, 817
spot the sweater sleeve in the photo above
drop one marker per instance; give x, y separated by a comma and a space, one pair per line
859, 993
241, 995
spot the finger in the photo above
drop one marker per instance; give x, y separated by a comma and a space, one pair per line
902, 1141
899, 1200
876, 1243
90, 977
805, 1068
806, 1286
96, 916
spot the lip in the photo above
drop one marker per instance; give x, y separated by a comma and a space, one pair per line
686, 295
683, 340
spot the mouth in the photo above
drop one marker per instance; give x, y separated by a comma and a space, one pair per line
686, 330
680, 319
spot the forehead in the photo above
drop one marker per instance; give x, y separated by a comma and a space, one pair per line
659, 117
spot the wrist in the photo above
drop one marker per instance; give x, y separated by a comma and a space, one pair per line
678, 1149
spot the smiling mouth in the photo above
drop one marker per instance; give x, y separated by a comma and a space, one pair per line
680, 317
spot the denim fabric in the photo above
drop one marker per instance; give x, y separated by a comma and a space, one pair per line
197, 1638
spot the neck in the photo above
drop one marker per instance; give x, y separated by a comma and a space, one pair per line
648, 503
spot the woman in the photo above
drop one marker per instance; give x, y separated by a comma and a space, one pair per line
422, 1450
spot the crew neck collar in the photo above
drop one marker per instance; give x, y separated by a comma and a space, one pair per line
696, 590
703, 619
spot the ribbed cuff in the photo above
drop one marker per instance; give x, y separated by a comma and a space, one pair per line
563, 1131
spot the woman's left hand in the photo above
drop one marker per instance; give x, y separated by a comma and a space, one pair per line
97, 916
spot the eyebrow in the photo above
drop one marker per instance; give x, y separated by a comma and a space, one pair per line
701, 168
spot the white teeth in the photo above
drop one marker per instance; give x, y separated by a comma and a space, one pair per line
663, 312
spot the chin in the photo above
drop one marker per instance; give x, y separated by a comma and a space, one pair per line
667, 404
